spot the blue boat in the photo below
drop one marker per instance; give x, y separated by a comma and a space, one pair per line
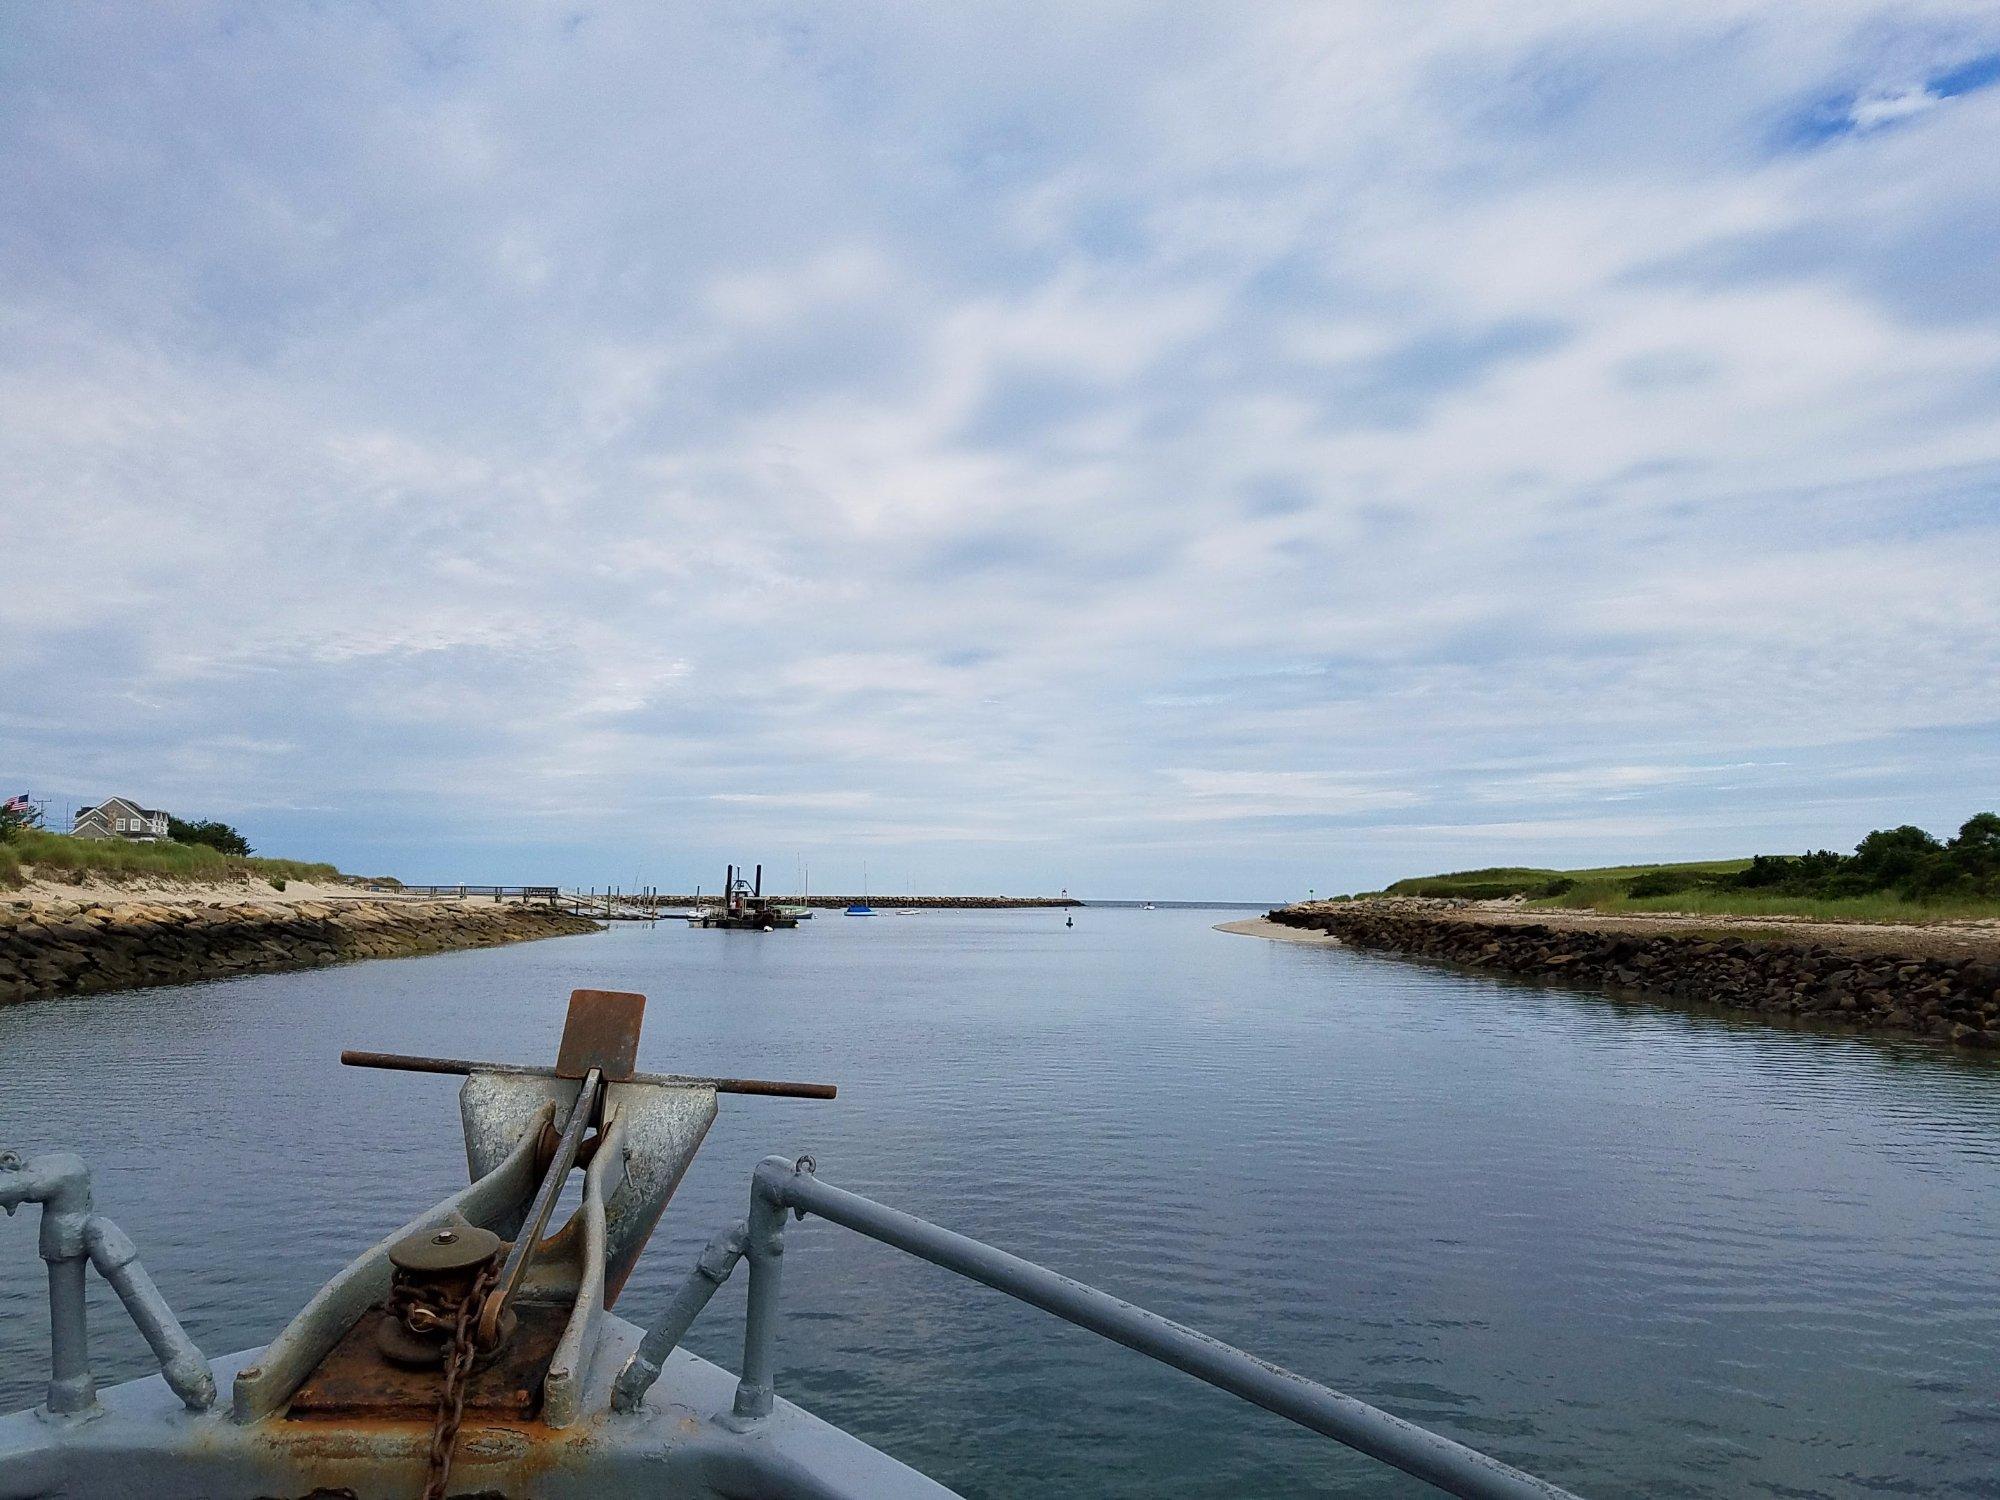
861, 909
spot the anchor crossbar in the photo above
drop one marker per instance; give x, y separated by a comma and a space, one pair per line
402, 1062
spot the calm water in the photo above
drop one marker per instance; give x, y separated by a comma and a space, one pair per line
1638, 1251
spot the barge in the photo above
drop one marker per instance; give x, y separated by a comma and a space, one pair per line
745, 907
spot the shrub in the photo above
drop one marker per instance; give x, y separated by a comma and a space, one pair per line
12, 821
1905, 861
57, 854
277, 882
1562, 885
208, 832
1665, 883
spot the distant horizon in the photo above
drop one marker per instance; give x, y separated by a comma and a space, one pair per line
582, 869
1243, 448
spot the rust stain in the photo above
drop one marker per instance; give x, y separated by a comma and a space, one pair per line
602, 1032
355, 1381
365, 1454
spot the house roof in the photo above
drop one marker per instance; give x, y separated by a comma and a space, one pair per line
127, 804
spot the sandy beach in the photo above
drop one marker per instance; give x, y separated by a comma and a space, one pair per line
144, 892
1264, 927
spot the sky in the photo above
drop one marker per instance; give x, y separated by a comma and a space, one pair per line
1208, 451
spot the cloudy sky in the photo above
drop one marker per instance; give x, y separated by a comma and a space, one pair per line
1158, 450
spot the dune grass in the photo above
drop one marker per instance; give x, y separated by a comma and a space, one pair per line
57, 856
1527, 880
1608, 888
1686, 867
1882, 906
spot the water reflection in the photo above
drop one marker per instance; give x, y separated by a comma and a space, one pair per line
1640, 1250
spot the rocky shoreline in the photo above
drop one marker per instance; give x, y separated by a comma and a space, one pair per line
1954, 999
50, 948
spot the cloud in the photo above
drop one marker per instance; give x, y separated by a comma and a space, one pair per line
1059, 448
1887, 109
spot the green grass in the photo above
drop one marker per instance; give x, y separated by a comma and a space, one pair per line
1894, 874
58, 856
1881, 907
1525, 880
1687, 867
1604, 888
1501, 880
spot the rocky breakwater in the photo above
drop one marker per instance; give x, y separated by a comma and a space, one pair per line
1954, 999
81, 947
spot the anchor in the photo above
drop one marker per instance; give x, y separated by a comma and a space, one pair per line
479, 1284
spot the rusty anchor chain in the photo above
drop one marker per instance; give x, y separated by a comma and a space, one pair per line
460, 1354
441, 1280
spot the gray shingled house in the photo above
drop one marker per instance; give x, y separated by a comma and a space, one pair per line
120, 818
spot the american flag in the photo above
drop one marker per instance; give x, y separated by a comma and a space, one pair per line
16, 804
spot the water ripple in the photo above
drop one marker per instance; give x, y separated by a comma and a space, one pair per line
1643, 1251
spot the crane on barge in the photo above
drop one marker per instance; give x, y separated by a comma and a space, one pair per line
745, 907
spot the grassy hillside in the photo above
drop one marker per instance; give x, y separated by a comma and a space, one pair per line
1526, 880
1883, 907
1894, 874
57, 856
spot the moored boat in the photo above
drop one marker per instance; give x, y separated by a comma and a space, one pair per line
744, 907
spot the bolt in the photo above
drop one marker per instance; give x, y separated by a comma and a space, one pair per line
445, 1237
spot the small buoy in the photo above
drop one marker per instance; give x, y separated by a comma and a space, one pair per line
1069, 921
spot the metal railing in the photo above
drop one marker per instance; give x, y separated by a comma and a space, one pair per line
72, 1240
781, 1187
496, 892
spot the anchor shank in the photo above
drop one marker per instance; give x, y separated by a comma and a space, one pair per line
523, 1250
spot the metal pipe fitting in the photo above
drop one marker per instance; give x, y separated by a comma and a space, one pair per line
711, 1268
181, 1363
60, 1183
757, 1389
72, 1238
72, 1389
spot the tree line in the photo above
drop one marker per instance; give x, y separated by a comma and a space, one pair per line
216, 835
1906, 861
